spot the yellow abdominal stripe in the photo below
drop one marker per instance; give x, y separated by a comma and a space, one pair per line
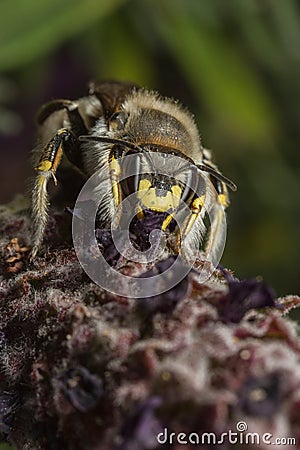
150, 200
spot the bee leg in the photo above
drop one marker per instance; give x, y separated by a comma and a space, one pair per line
46, 168
194, 228
51, 107
197, 212
77, 125
115, 172
217, 231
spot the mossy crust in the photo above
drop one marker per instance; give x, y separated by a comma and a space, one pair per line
81, 368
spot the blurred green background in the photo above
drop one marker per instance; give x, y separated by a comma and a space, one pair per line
235, 64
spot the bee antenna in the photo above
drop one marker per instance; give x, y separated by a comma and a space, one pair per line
86, 138
218, 175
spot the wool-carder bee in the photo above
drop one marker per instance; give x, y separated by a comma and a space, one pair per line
116, 119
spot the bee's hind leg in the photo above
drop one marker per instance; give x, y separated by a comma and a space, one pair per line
46, 169
64, 142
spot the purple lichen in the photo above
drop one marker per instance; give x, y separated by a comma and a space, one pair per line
81, 368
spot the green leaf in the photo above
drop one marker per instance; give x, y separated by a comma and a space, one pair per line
221, 78
30, 29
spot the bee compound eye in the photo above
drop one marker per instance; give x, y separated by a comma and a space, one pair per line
118, 120
131, 165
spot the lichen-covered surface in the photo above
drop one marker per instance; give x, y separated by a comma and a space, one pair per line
83, 369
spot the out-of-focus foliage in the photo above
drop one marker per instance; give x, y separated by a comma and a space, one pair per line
30, 29
235, 64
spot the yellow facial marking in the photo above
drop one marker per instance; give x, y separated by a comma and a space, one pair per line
150, 200
143, 185
177, 191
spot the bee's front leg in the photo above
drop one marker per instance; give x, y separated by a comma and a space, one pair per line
196, 217
218, 225
46, 169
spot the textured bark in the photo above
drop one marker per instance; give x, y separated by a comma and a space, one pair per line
81, 368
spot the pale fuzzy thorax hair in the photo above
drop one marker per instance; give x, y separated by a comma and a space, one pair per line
96, 157
144, 99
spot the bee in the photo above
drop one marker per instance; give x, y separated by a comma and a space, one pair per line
116, 119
